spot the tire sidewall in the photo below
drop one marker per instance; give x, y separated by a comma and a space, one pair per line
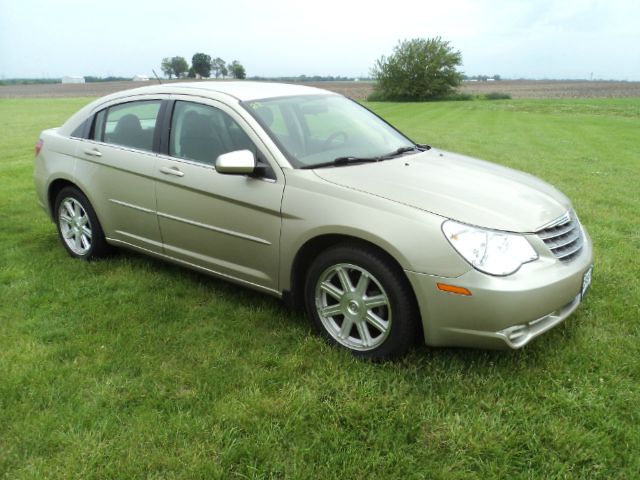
403, 326
98, 245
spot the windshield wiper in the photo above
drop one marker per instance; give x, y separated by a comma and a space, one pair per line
340, 161
398, 152
415, 148
337, 162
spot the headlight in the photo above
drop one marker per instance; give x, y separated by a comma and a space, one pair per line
490, 251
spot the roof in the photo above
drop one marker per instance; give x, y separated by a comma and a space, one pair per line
243, 90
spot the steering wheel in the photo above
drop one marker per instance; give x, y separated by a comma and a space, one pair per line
329, 142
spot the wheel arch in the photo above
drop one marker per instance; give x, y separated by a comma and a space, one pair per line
54, 189
310, 249
313, 246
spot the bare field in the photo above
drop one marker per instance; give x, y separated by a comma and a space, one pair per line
555, 88
360, 90
356, 90
515, 88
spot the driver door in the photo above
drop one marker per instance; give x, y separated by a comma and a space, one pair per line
226, 224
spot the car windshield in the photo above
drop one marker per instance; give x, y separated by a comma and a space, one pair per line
317, 129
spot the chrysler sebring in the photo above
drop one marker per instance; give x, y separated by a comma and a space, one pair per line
306, 195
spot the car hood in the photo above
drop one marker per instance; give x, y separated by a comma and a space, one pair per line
458, 187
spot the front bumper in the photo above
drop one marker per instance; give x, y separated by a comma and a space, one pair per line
502, 312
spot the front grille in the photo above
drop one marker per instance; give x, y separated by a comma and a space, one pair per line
563, 237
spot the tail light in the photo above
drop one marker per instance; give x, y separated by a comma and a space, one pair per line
39, 145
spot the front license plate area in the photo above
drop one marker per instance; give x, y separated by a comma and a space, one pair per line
586, 282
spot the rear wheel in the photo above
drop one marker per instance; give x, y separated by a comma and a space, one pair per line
360, 300
78, 225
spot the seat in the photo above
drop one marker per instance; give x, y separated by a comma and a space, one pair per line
198, 139
129, 132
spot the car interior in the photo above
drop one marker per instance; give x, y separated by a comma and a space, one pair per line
128, 131
202, 133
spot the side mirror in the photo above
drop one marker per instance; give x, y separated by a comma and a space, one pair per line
240, 162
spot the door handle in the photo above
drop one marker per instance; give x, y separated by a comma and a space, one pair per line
172, 171
94, 153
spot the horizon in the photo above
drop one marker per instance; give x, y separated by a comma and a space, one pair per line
302, 77
561, 40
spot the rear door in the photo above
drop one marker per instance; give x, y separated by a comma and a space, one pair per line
227, 224
118, 170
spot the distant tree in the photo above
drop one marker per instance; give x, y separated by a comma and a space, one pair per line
237, 70
497, 77
191, 73
180, 66
166, 67
418, 69
201, 64
219, 67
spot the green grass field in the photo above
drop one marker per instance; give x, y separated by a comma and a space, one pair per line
132, 368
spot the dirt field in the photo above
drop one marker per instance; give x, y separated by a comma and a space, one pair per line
360, 90
555, 88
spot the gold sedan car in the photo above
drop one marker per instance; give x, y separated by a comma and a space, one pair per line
308, 196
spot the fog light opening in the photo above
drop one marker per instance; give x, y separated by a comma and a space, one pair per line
516, 335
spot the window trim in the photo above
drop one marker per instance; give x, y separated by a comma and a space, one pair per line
165, 134
94, 122
83, 130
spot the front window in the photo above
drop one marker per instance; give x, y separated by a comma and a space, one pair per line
202, 133
316, 129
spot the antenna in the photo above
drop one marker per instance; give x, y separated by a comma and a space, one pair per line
157, 77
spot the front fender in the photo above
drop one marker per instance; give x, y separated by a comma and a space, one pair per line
312, 207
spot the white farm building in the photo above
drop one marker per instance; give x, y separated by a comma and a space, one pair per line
72, 79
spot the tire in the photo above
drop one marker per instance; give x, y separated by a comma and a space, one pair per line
78, 226
360, 300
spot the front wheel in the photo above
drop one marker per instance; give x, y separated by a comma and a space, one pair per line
358, 299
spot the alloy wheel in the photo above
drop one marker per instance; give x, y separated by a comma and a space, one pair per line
75, 226
353, 307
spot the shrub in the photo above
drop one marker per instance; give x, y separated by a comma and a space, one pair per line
418, 69
496, 96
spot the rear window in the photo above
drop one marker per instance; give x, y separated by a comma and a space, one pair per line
131, 124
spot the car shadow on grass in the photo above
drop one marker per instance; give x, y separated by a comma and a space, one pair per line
232, 292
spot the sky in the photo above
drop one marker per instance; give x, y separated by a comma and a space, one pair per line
553, 39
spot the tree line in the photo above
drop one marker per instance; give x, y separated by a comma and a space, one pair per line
202, 66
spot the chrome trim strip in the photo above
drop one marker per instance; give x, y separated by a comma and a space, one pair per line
197, 267
563, 237
135, 207
566, 217
140, 239
244, 236
555, 244
563, 255
566, 228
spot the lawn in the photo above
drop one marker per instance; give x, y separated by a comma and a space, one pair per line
132, 368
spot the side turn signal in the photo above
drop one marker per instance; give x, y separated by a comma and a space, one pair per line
454, 289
